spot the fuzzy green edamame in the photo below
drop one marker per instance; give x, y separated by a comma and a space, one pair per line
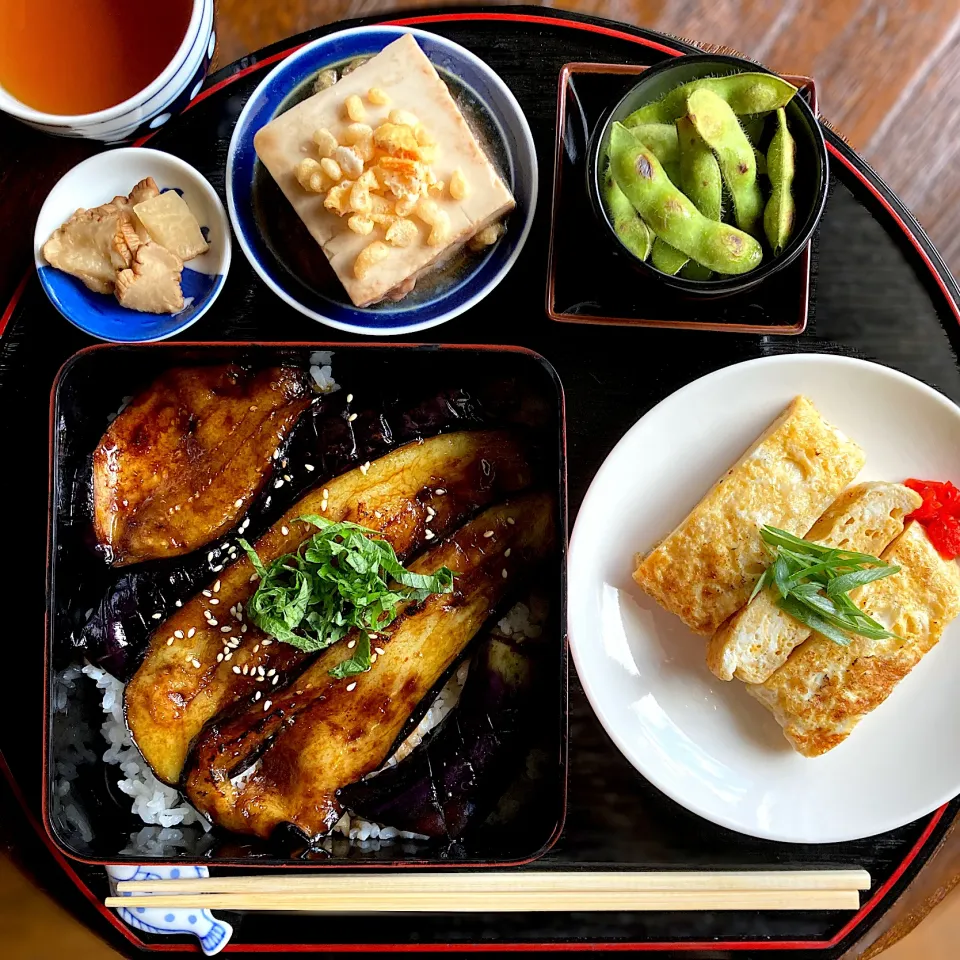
719, 127
673, 217
700, 176
695, 271
635, 235
661, 138
780, 211
667, 259
745, 93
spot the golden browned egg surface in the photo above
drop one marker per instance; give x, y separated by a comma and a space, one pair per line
824, 689
705, 570
757, 639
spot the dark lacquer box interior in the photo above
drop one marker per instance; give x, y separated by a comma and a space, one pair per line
86, 815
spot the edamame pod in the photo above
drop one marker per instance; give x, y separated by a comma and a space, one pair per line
695, 271
673, 217
753, 128
635, 235
661, 138
667, 259
745, 93
719, 127
781, 162
700, 176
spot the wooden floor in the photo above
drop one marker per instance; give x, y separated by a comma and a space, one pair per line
887, 72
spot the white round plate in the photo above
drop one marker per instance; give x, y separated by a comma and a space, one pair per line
705, 743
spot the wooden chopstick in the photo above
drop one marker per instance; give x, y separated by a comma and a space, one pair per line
516, 891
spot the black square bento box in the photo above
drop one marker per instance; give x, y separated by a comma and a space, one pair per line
84, 812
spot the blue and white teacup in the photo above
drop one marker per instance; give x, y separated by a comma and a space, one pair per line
166, 96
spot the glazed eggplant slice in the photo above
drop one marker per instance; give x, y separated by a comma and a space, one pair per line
182, 684
451, 781
184, 460
322, 733
324, 443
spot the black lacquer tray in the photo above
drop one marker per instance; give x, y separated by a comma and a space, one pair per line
881, 292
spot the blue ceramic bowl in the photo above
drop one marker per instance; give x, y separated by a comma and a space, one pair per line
96, 181
439, 296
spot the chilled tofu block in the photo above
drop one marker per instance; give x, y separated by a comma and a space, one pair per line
168, 220
398, 87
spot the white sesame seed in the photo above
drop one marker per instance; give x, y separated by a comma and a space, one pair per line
511, 521
170, 642
207, 593
265, 643
253, 576
258, 679
364, 467
216, 587
351, 418
379, 650
267, 705
326, 493
440, 491
246, 670
178, 634
191, 632
503, 573
214, 601
287, 477
351, 686
217, 569
226, 629
275, 681
256, 648
236, 669
212, 622
243, 629
258, 695
219, 658
178, 603
284, 530
323, 505
349, 398
308, 467
157, 616
351, 644
261, 671
277, 484
196, 662
271, 672
488, 533
228, 656
238, 503
210, 556
431, 513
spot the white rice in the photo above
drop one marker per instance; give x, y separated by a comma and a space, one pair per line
321, 370
153, 802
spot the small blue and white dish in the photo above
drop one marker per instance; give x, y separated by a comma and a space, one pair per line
178, 83
212, 933
97, 180
281, 250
